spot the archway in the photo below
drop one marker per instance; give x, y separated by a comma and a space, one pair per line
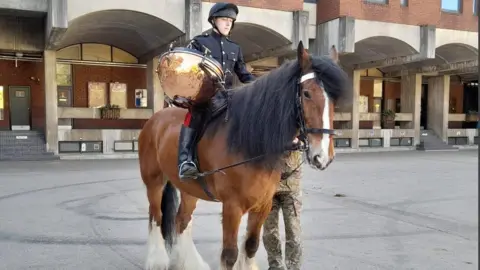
377, 48
135, 32
258, 41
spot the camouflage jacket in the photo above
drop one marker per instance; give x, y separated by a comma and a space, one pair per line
292, 183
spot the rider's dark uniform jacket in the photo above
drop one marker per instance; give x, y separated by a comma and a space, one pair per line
226, 52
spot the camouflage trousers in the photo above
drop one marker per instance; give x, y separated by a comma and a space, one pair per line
290, 204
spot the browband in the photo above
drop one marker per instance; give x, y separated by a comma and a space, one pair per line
307, 76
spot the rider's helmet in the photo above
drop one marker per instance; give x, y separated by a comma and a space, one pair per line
221, 9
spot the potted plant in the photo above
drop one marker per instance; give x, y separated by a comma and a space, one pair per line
388, 118
471, 116
110, 111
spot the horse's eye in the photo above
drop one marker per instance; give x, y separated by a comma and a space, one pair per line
307, 94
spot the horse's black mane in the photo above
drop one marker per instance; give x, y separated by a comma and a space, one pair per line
261, 115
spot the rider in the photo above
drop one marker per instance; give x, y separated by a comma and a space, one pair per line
217, 44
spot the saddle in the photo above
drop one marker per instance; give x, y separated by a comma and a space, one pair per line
215, 107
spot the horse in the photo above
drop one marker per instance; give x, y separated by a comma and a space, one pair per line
295, 100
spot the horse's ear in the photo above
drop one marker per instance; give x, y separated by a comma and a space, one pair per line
334, 54
302, 56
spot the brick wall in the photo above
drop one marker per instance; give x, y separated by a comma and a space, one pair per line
21, 76
285, 5
417, 13
135, 78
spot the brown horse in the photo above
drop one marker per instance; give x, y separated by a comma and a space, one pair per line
296, 99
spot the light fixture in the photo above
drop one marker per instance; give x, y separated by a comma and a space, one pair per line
17, 54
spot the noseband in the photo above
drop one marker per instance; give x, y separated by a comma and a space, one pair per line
304, 130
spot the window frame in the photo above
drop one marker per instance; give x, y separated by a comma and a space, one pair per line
377, 2
459, 7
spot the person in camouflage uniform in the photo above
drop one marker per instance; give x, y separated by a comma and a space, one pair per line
288, 199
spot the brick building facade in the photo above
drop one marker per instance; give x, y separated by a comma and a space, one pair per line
391, 49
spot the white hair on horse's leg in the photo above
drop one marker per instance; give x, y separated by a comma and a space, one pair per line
184, 254
243, 262
157, 257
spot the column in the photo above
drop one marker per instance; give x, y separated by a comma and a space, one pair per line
428, 41
193, 18
438, 97
339, 33
56, 23
377, 102
51, 114
155, 95
355, 122
411, 100
300, 29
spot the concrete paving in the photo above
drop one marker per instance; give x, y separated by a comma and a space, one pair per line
396, 210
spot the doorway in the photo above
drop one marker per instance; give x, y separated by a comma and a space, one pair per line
424, 107
470, 101
19, 103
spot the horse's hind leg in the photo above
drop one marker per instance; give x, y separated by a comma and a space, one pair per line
246, 258
157, 257
184, 254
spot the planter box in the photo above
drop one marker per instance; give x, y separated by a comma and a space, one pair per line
471, 118
111, 114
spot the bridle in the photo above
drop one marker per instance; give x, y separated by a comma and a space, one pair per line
303, 129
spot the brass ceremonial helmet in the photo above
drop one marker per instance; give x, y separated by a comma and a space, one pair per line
180, 74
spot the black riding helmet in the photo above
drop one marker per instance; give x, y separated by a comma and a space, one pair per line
221, 9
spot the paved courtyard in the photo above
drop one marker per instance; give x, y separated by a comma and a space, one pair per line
396, 210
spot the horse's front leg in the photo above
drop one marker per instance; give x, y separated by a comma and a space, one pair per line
256, 219
231, 217
184, 253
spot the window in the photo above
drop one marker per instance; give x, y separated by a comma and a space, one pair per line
64, 84
404, 3
96, 52
120, 56
451, 6
64, 74
377, 1
72, 52
475, 7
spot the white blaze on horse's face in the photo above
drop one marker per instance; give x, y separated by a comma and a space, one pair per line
317, 103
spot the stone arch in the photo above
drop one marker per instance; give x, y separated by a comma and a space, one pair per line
257, 39
394, 34
131, 31
280, 22
160, 9
448, 36
456, 52
376, 48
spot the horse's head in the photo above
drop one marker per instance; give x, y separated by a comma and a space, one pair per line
316, 111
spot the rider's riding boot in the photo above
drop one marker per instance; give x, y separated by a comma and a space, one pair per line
186, 166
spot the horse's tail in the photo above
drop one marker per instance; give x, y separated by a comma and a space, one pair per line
169, 208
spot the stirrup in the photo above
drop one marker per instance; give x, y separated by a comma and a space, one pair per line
188, 174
